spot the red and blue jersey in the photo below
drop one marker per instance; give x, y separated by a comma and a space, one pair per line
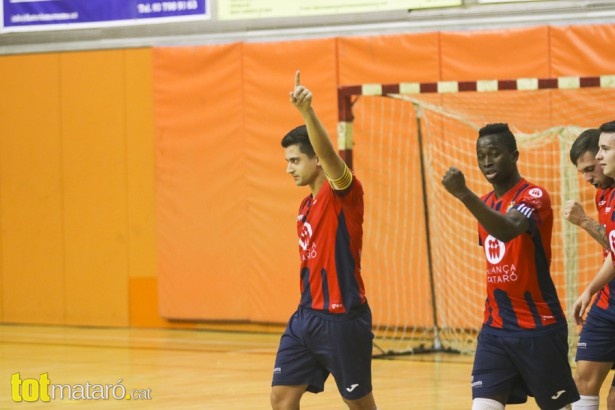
330, 228
604, 303
521, 296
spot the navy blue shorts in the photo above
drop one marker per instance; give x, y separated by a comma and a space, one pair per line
314, 346
517, 367
597, 339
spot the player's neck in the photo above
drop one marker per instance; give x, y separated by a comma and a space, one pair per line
317, 184
504, 187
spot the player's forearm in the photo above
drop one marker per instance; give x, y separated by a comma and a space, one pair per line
595, 230
495, 223
604, 276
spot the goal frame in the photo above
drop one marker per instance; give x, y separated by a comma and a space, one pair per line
348, 95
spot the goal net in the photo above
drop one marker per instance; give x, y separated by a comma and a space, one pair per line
423, 267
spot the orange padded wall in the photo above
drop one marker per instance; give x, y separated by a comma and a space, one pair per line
143, 184
254, 276
31, 200
76, 185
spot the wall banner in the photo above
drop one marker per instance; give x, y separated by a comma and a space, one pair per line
29, 15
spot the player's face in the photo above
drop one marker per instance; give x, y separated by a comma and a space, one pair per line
302, 168
589, 166
494, 160
606, 153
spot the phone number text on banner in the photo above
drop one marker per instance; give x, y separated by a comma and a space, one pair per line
24, 15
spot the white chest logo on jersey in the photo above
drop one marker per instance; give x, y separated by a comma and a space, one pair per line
494, 249
536, 192
612, 240
306, 236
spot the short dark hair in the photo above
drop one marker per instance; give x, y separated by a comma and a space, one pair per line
608, 127
299, 136
587, 141
503, 133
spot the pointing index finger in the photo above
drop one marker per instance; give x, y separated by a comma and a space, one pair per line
297, 78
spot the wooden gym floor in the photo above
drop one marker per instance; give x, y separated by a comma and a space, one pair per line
199, 369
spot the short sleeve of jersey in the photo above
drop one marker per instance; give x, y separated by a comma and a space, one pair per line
535, 204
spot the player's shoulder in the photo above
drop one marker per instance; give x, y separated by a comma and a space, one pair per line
486, 196
605, 193
535, 191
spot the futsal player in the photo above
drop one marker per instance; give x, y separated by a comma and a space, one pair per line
331, 330
596, 346
522, 348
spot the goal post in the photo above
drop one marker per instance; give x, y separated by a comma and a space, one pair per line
422, 265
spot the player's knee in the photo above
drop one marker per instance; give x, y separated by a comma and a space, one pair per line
366, 402
586, 403
588, 386
486, 404
281, 400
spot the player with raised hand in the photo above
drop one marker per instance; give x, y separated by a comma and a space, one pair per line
522, 346
331, 330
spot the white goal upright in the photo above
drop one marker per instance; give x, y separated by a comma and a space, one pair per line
423, 267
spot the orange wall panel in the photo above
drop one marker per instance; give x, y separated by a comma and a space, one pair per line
272, 197
202, 225
140, 163
144, 305
94, 166
389, 59
497, 54
31, 190
583, 50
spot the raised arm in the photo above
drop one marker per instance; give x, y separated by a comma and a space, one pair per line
574, 213
503, 227
604, 276
335, 168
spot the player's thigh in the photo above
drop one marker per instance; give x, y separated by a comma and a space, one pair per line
596, 339
589, 376
493, 373
543, 364
286, 397
345, 349
295, 363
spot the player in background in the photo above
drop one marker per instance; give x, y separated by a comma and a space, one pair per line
596, 347
522, 348
331, 331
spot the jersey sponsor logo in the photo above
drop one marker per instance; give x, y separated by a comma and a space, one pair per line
558, 394
535, 192
352, 387
305, 236
277, 370
581, 345
502, 274
494, 250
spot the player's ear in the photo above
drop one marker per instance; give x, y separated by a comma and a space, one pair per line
515, 155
